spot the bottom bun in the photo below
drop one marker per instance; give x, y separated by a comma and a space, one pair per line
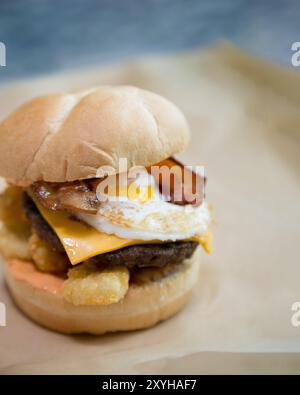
39, 296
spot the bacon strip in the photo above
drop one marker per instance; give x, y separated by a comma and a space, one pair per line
77, 196
185, 186
181, 188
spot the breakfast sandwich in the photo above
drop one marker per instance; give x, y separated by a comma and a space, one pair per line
100, 224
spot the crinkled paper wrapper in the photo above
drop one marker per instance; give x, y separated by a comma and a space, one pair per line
245, 121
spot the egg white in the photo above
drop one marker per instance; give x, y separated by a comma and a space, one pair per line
155, 219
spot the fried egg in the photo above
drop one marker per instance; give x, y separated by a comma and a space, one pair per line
140, 212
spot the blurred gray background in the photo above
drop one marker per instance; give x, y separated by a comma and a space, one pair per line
44, 36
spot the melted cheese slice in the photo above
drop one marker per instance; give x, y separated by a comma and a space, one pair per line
82, 242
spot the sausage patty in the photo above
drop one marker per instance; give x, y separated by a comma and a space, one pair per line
148, 255
40, 225
137, 256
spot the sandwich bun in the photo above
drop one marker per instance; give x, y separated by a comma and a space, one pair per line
68, 136
39, 296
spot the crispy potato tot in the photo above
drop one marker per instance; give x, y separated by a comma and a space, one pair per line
11, 212
89, 285
45, 258
147, 275
13, 245
14, 226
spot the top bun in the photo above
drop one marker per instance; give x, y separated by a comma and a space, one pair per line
68, 136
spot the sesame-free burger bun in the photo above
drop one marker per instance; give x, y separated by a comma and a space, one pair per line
39, 296
68, 136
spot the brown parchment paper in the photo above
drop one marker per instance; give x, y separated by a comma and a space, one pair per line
245, 121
